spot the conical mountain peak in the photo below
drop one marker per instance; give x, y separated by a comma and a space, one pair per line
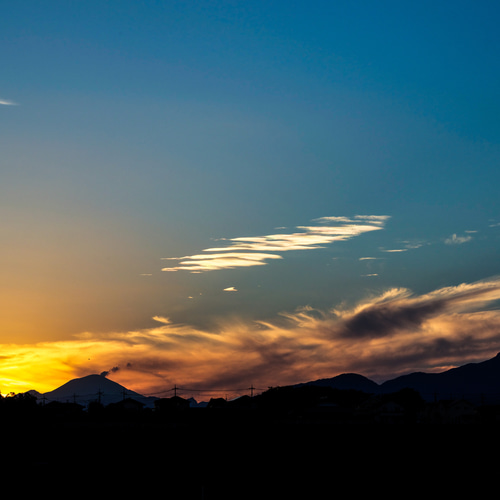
91, 388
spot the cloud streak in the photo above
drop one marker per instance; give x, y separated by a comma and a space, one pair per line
215, 261
6, 102
385, 335
257, 250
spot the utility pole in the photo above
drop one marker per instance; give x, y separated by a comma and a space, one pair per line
251, 390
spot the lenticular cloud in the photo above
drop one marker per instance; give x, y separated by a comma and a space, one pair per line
250, 251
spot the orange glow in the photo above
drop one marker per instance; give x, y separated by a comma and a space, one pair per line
375, 338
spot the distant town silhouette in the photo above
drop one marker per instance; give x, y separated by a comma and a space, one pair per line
469, 394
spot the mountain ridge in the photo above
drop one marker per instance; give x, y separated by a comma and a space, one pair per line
345, 381
474, 381
477, 382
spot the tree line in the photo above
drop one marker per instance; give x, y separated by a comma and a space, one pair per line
279, 404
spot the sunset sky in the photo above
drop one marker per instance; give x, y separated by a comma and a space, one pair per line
224, 194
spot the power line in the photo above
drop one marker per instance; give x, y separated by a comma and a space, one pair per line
177, 389
98, 396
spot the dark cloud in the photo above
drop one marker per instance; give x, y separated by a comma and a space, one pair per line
113, 370
386, 335
383, 320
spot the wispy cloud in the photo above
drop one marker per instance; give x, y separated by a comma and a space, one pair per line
404, 246
6, 102
412, 245
256, 250
386, 334
457, 240
213, 261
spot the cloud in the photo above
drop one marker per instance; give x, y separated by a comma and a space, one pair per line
210, 262
373, 219
412, 245
256, 250
107, 372
457, 240
382, 320
162, 319
404, 246
5, 102
384, 335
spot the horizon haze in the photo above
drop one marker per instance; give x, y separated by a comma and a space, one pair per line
477, 383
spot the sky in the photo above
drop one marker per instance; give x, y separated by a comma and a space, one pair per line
218, 195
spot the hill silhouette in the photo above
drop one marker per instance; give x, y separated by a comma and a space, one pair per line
346, 381
476, 382
473, 381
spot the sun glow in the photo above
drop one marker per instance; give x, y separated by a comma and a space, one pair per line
376, 337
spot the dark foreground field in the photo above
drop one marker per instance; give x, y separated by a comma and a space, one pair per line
223, 453
249, 460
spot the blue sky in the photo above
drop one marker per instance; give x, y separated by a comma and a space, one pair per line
136, 134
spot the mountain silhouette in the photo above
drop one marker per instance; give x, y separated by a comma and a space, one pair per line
472, 381
347, 381
94, 388
477, 382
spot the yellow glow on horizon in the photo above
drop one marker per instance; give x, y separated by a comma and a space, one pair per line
374, 337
